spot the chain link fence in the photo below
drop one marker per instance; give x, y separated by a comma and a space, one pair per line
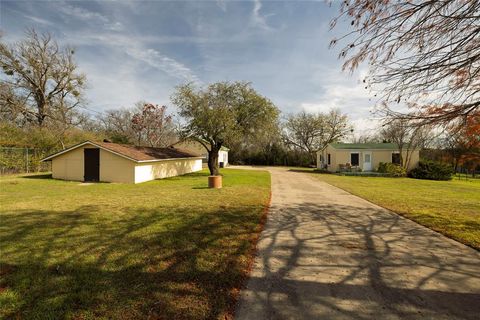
22, 160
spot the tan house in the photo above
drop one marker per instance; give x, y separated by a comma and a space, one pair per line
196, 147
365, 156
112, 162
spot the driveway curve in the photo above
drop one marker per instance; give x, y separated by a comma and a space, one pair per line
327, 254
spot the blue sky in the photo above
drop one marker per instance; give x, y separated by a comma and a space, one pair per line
140, 50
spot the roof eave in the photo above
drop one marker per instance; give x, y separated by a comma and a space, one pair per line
82, 144
78, 145
168, 159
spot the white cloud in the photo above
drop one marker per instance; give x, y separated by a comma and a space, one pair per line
38, 20
117, 83
88, 16
258, 19
161, 62
222, 4
365, 126
114, 26
348, 94
80, 13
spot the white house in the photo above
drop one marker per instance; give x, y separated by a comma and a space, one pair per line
365, 156
112, 162
196, 147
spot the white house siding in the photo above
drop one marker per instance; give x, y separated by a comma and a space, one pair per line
165, 168
113, 168
68, 166
223, 157
342, 156
197, 148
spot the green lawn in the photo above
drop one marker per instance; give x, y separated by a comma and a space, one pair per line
165, 249
449, 207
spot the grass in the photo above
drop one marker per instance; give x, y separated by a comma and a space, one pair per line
165, 249
449, 207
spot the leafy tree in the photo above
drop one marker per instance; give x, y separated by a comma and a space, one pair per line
41, 141
265, 147
40, 80
221, 113
312, 132
425, 54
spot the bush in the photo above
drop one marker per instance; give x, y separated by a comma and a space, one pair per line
432, 170
392, 169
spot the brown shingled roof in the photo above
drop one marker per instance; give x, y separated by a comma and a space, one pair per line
135, 153
146, 153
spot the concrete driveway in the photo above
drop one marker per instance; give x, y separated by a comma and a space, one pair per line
327, 254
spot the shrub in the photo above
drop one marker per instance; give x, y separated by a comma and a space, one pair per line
392, 169
432, 170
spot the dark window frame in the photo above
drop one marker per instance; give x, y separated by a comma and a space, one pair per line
396, 158
358, 159
329, 159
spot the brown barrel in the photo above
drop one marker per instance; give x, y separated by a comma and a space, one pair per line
215, 182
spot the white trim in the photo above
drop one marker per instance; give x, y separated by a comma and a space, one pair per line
81, 145
370, 154
63, 151
111, 151
169, 159
369, 149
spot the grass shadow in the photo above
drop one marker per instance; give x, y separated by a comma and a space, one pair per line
308, 170
37, 176
162, 263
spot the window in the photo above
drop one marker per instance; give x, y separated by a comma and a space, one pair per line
367, 158
329, 159
354, 159
396, 158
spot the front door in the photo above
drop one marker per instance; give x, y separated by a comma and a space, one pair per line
91, 164
367, 161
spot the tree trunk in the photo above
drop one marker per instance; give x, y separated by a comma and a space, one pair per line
400, 151
213, 162
41, 108
313, 156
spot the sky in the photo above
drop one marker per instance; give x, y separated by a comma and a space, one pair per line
141, 50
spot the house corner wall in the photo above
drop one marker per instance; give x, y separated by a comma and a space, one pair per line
114, 168
165, 169
69, 166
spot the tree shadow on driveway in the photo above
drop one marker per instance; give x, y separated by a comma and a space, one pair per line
329, 261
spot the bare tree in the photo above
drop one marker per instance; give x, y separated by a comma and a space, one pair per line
462, 143
144, 124
408, 138
152, 125
367, 138
41, 78
313, 132
12, 107
425, 54
117, 126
